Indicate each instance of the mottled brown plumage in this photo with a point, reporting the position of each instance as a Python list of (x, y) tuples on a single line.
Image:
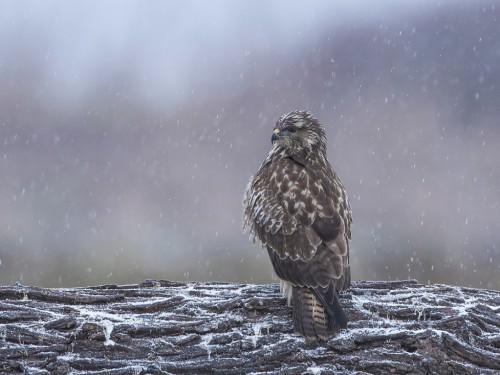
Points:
[(297, 207)]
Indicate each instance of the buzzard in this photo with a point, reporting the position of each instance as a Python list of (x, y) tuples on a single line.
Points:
[(297, 207)]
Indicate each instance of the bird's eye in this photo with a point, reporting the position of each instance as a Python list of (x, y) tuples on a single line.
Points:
[(290, 129)]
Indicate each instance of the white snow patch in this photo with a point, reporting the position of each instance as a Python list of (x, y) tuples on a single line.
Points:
[(68, 357), (107, 327), (257, 332), (137, 369), (314, 370), (420, 313), (101, 315), (206, 343)]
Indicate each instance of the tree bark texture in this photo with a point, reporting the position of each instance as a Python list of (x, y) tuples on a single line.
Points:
[(165, 327)]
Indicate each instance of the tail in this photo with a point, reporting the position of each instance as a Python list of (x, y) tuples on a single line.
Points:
[(317, 313)]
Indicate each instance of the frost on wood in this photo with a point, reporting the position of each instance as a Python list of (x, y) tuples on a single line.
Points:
[(162, 327)]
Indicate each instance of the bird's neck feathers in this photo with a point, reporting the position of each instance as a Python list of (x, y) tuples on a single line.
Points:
[(300, 154)]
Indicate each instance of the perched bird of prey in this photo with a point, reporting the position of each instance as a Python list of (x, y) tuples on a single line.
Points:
[(297, 207)]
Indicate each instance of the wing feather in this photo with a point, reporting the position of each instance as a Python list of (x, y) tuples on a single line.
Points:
[(291, 209)]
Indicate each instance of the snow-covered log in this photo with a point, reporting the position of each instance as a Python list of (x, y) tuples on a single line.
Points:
[(163, 327)]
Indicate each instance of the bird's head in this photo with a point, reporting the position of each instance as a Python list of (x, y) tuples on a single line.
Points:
[(298, 132)]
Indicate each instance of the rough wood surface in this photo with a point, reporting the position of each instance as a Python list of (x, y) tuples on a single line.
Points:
[(163, 327)]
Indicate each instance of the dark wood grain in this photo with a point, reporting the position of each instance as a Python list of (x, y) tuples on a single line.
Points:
[(164, 327)]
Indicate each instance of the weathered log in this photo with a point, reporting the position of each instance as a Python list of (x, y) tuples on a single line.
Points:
[(164, 327)]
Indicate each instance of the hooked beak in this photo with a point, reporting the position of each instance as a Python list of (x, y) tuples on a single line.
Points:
[(275, 136)]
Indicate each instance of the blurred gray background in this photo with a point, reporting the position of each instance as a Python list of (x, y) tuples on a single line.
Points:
[(129, 130)]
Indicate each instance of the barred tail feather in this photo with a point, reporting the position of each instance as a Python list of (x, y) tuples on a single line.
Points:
[(311, 319), (329, 299)]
